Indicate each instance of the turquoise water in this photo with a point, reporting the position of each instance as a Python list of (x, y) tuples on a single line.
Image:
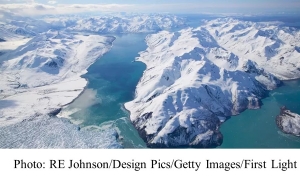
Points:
[(257, 128), (112, 82), (113, 79)]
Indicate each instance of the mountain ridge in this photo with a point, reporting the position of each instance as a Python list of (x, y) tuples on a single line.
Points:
[(196, 78)]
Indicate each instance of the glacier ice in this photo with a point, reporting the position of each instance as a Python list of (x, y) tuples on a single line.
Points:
[(51, 132), (41, 63)]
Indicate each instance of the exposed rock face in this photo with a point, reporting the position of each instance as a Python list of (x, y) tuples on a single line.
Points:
[(190, 86), (196, 78), (182, 135), (288, 122)]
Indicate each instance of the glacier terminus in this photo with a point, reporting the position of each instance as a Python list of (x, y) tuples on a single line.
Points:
[(196, 77)]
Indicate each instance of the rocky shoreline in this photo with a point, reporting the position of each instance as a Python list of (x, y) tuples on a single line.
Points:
[(288, 122), (187, 91)]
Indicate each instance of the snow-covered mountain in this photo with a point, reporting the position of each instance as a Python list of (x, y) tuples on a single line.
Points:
[(118, 23), (196, 78), (41, 63), (23, 26), (44, 59), (44, 74), (275, 48)]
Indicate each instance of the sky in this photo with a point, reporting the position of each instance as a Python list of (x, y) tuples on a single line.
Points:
[(149, 6)]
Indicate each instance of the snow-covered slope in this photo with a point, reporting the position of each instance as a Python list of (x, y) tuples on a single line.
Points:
[(288, 122), (44, 74), (51, 132), (41, 63), (125, 23), (46, 64), (196, 78), (22, 26), (273, 47), (118, 24), (10, 39)]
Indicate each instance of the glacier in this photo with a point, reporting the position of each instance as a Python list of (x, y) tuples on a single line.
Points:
[(41, 63), (198, 77), (46, 132), (44, 74)]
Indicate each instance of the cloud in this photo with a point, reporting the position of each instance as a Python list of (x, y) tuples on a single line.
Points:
[(31, 9), (16, 1), (52, 2)]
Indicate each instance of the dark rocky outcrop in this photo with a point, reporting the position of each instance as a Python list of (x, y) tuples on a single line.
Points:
[(183, 137), (54, 112), (288, 122)]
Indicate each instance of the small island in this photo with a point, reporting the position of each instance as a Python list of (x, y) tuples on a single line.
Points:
[(288, 122)]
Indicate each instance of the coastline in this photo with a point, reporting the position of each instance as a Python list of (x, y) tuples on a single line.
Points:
[(86, 70), (258, 128), (142, 107), (64, 89), (290, 80), (267, 95), (50, 119), (113, 59), (135, 91)]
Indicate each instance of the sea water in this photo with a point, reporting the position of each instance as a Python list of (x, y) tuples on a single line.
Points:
[(257, 128), (112, 82)]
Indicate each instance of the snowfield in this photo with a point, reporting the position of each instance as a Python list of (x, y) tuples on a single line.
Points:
[(41, 63), (272, 47), (196, 78), (44, 74), (131, 23), (50, 132)]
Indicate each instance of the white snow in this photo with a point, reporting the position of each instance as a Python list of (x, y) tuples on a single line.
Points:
[(50, 132), (272, 47), (41, 63), (195, 78), (13, 44), (41, 67), (289, 122), (130, 23), (44, 74)]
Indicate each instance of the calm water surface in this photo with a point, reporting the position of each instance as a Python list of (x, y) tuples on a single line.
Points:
[(257, 128), (112, 81)]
